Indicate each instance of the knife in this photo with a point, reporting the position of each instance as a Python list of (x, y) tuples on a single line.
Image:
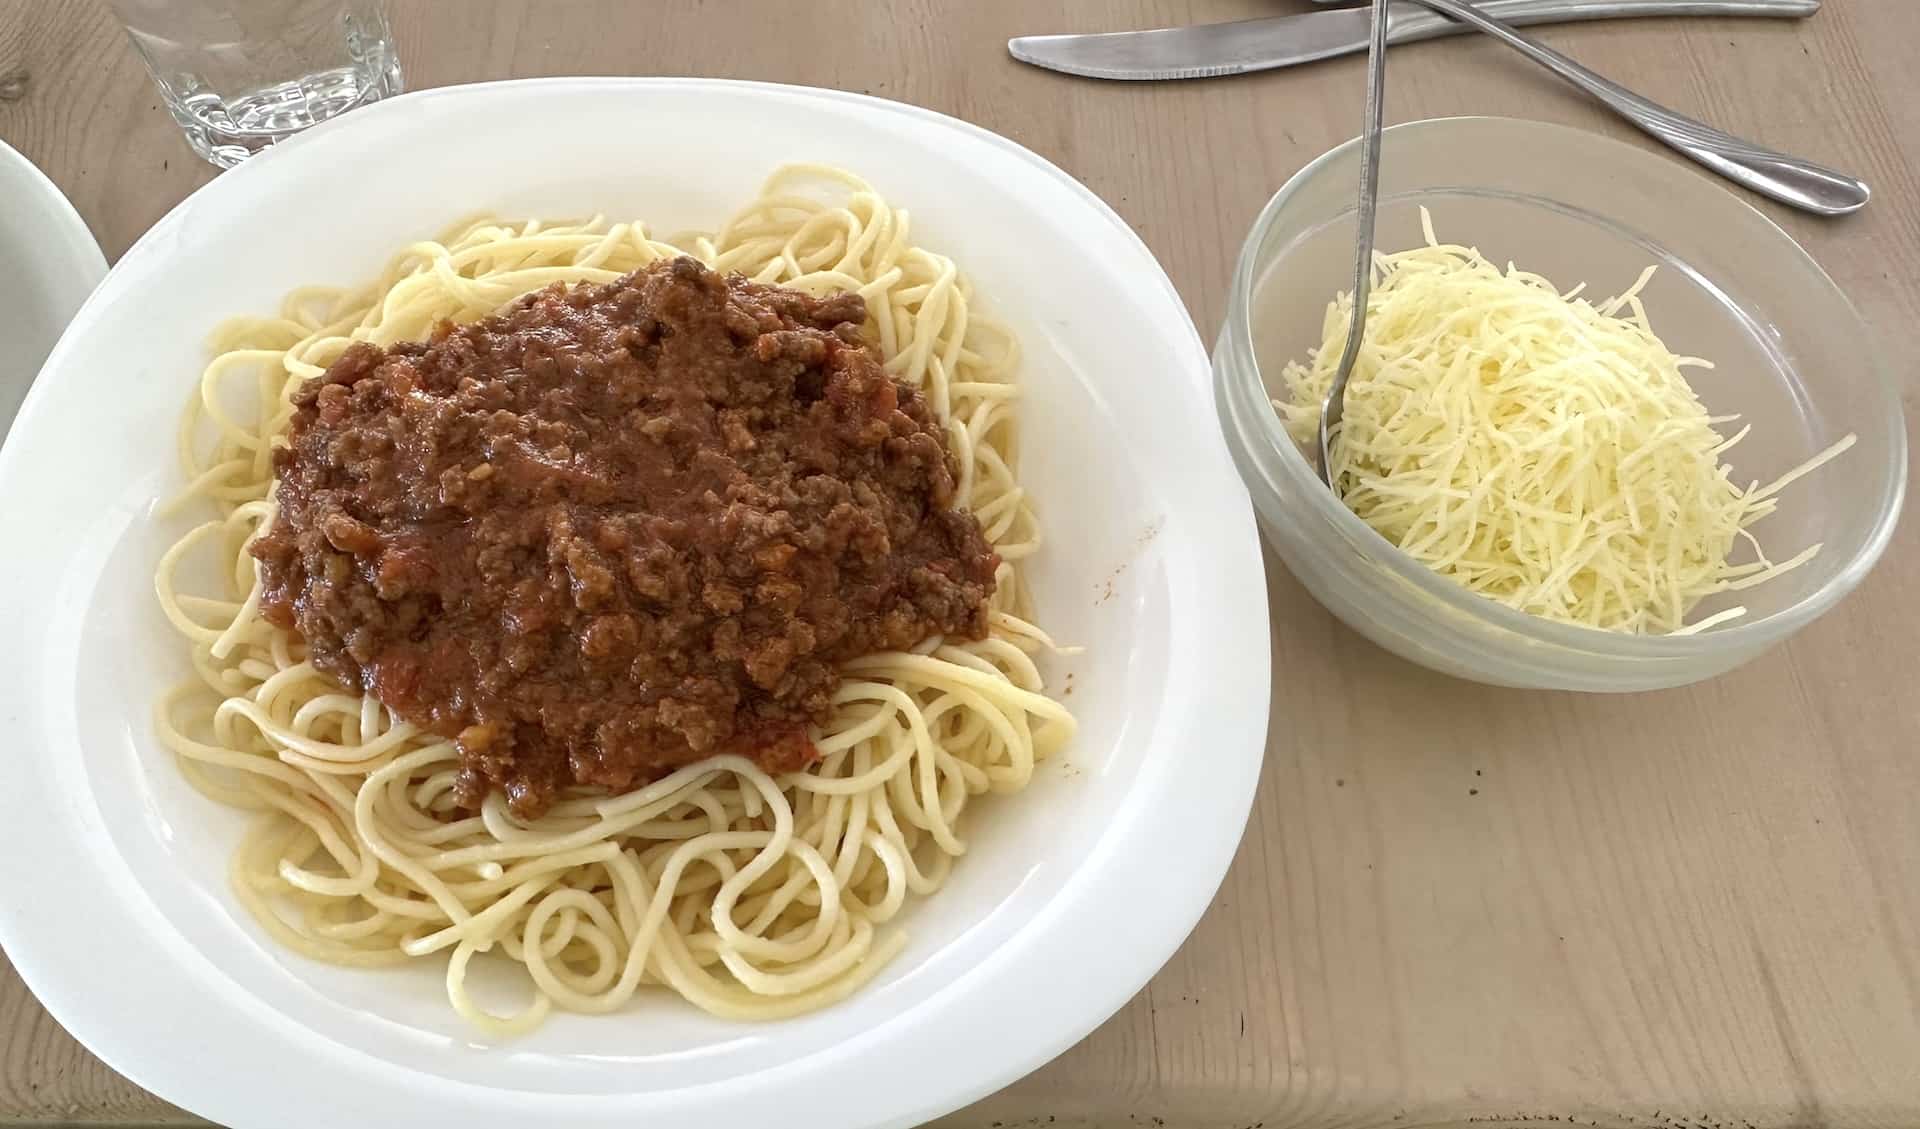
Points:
[(1213, 50)]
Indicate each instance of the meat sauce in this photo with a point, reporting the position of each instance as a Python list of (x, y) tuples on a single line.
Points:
[(616, 529)]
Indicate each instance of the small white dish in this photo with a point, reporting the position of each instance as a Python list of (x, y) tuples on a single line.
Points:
[(114, 902), (52, 264)]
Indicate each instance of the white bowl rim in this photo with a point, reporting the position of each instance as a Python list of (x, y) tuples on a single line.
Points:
[(1612, 644), (1174, 851), (74, 233), (81, 263)]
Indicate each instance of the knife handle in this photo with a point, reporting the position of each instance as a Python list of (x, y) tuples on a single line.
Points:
[(1407, 23)]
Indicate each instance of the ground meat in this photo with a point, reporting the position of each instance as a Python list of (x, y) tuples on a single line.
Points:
[(615, 529)]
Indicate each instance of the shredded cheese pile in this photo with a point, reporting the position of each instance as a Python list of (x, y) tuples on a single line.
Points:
[(1541, 450)]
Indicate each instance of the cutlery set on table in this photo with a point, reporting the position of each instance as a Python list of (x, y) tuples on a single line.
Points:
[(1270, 42)]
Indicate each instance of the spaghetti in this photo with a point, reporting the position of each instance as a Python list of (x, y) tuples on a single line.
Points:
[(750, 895)]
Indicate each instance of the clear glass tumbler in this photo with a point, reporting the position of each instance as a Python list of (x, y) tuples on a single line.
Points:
[(239, 75)]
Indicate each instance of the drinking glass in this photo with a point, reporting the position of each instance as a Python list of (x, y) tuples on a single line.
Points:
[(239, 75)]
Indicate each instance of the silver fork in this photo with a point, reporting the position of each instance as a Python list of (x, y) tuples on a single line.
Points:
[(1788, 179)]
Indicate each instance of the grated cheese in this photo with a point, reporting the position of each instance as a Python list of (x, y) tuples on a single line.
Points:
[(1541, 450)]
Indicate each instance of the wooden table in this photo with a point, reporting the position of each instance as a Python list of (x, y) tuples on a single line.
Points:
[(1698, 908)]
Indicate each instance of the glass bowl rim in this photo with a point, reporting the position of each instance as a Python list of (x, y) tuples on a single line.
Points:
[(1455, 597)]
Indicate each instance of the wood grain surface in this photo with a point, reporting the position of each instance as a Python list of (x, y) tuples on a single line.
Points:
[(1697, 908)]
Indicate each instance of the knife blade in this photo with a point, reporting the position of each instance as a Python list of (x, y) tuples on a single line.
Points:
[(1216, 50)]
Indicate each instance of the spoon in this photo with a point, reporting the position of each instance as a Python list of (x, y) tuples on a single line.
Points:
[(1336, 402), (1790, 180)]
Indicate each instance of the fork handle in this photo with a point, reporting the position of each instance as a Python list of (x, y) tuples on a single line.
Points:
[(1408, 22), (1790, 180)]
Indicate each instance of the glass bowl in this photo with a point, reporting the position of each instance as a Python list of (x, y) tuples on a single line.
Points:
[(1791, 355)]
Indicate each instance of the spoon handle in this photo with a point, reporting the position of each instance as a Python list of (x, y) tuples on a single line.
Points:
[(1790, 180), (1335, 405)]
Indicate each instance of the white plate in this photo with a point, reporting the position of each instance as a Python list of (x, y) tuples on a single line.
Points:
[(113, 897), (50, 265)]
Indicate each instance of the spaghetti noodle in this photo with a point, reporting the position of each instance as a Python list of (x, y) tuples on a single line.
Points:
[(751, 896)]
